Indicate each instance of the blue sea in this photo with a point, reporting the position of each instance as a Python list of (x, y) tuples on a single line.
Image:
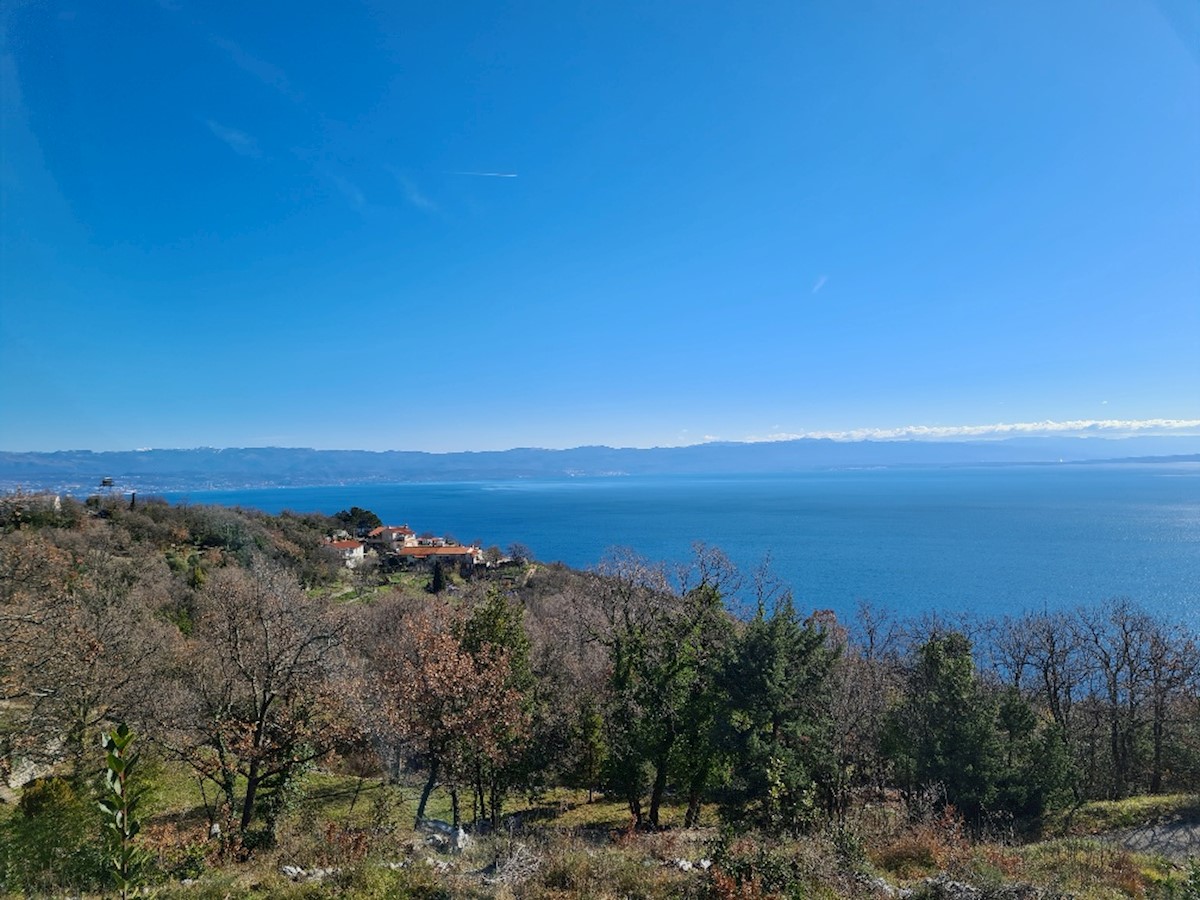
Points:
[(988, 541)]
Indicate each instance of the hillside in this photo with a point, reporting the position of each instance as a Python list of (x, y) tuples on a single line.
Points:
[(407, 728)]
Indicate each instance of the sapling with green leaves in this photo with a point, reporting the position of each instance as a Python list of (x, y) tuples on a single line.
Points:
[(119, 803)]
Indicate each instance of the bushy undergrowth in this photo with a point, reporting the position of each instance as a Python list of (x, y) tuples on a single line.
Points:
[(359, 832), (932, 843), (756, 865), (48, 851), (51, 842), (575, 870)]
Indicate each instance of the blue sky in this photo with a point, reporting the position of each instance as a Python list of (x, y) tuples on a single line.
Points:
[(274, 224)]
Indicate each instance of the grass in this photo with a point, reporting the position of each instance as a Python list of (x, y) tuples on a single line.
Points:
[(1079, 867), (345, 798), (362, 828), (171, 789), (588, 850), (1092, 869), (349, 798), (413, 582), (1101, 816), (575, 812)]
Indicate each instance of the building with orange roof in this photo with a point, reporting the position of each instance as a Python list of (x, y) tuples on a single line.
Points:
[(351, 552)]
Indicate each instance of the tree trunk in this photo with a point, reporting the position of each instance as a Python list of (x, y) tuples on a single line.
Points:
[(660, 787), (695, 791), (251, 793), (228, 788), (1117, 789), (635, 809), (76, 741), (1159, 729), (426, 791), (692, 817)]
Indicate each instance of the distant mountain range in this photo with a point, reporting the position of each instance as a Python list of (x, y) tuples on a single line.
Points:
[(80, 471)]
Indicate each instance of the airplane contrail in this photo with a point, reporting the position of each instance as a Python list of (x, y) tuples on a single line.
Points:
[(487, 174)]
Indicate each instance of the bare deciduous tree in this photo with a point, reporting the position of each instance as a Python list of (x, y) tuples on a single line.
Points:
[(80, 640), (257, 693)]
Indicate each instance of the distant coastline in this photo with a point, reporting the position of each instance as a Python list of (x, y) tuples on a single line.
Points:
[(202, 469), (993, 539)]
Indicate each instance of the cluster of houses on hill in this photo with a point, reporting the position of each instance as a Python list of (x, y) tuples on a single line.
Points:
[(401, 542)]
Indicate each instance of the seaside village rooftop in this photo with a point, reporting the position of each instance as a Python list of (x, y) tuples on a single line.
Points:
[(401, 543)]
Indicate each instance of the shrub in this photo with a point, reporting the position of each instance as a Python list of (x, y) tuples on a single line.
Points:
[(1191, 885), (176, 851), (51, 844), (935, 844), (754, 865)]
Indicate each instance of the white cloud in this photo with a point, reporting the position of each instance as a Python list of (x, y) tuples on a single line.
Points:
[(820, 283), (1066, 428), (237, 141)]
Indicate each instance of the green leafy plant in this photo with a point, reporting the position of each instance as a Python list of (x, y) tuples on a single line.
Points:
[(126, 861)]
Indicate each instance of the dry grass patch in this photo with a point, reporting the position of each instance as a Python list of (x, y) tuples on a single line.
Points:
[(1095, 870)]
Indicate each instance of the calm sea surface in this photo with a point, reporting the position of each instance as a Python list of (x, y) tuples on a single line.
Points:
[(987, 540)]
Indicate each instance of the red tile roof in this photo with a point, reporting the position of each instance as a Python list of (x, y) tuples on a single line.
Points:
[(345, 545), (389, 530), (421, 552)]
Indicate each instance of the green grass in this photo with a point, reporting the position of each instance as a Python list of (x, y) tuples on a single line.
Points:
[(1094, 870), (350, 800), (347, 799), (575, 812), (410, 581), (1101, 816), (171, 789), (586, 849)]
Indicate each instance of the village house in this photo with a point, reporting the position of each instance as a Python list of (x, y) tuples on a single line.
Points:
[(389, 538), (401, 542), (451, 553), (351, 552)]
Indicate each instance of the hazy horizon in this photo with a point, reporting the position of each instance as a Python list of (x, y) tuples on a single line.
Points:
[(1111, 430)]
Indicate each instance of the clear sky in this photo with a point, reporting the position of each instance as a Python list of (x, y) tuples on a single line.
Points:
[(484, 225)]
